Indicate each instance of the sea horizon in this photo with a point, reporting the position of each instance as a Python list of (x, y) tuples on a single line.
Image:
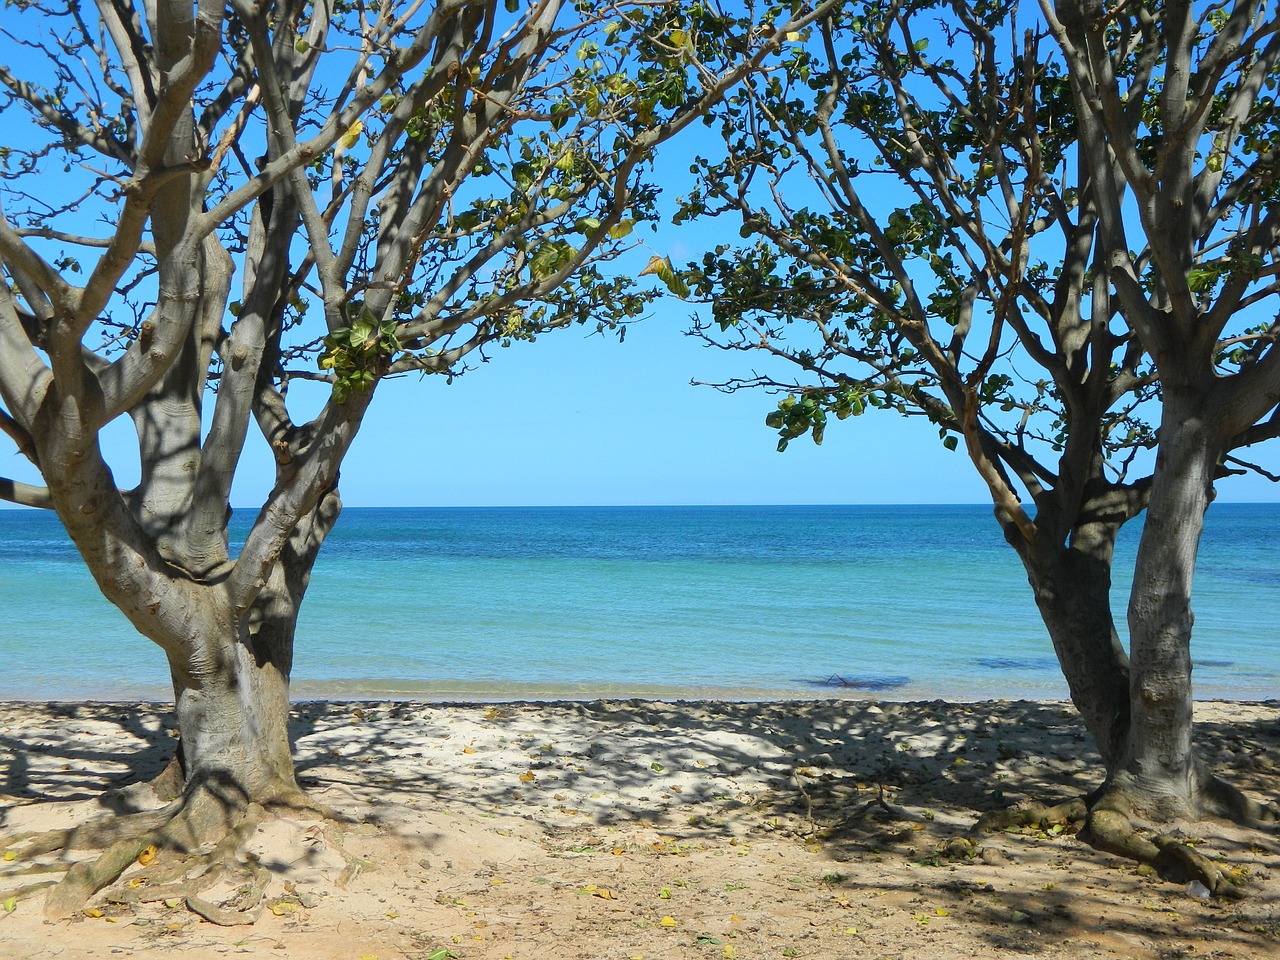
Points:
[(656, 601)]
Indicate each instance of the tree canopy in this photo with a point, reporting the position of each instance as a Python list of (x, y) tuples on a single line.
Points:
[(1011, 226), (233, 221)]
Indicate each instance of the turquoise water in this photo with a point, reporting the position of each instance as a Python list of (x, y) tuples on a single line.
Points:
[(904, 602)]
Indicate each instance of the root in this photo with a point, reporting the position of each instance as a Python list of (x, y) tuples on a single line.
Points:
[(198, 837), (1226, 801), (87, 877), (1035, 815), (1171, 857)]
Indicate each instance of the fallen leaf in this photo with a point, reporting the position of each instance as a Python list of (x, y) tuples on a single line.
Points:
[(665, 893), (668, 922), (656, 767), (10, 856), (850, 931), (527, 777), (11, 904), (147, 856), (604, 893), (94, 913), (393, 914), (943, 912)]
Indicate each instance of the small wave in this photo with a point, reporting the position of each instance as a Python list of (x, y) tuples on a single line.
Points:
[(1017, 663)]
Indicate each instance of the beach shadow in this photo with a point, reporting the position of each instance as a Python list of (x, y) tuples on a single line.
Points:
[(78, 751)]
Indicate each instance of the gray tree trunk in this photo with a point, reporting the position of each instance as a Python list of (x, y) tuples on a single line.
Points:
[(231, 688), (1073, 593), (1161, 778)]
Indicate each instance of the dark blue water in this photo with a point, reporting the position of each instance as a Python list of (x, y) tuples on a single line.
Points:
[(700, 601)]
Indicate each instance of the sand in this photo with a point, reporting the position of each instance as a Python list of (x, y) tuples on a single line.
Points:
[(631, 829)]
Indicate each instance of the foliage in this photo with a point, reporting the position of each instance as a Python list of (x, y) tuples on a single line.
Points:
[(923, 221)]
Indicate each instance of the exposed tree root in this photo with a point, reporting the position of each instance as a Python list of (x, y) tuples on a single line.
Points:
[(1111, 826), (1224, 800), (190, 845), (1035, 815)]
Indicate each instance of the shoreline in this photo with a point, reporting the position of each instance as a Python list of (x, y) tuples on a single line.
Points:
[(558, 695)]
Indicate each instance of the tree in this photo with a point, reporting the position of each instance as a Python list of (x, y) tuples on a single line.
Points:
[(219, 215), (938, 234), (1179, 111)]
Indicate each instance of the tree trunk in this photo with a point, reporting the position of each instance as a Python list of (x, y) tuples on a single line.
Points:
[(1162, 779), (1073, 592), (231, 688)]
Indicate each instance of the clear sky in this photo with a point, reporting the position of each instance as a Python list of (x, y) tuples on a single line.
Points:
[(585, 420)]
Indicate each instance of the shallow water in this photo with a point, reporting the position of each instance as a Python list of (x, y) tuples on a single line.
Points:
[(729, 602)]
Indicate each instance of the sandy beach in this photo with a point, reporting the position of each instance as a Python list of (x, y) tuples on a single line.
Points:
[(637, 829)]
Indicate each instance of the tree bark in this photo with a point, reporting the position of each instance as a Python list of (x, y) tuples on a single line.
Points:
[(231, 688), (1161, 778), (1072, 590)]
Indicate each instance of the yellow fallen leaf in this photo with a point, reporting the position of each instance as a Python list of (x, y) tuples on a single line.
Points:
[(10, 856), (94, 913), (728, 953), (665, 893), (147, 856), (604, 893), (527, 777), (917, 826), (392, 914), (943, 912), (850, 931), (734, 918), (668, 922), (619, 851)]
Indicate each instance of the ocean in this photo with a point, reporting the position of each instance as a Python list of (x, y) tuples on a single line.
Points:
[(902, 602)]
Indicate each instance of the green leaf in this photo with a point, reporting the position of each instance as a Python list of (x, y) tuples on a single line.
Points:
[(512, 7), (621, 229), (550, 258), (950, 442), (11, 904)]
